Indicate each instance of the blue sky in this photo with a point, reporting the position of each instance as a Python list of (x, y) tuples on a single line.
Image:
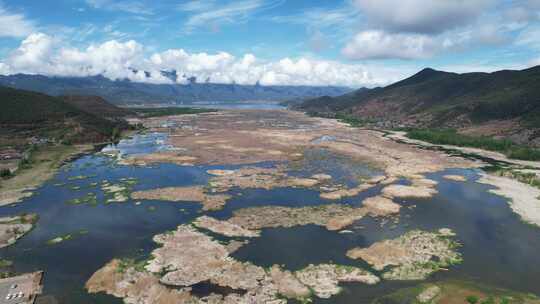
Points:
[(350, 42)]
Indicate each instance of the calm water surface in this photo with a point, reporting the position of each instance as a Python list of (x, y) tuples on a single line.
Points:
[(236, 106), (497, 247)]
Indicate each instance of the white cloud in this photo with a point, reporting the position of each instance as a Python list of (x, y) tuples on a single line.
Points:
[(43, 54), (481, 34), (212, 15), (324, 25), (382, 45), (196, 5), (420, 16), (225, 68), (321, 18), (485, 67), (133, 7), (14, 25), (33, 54), (490, 34), (408, 31), (533, 4), (529, 37), (534, 62)]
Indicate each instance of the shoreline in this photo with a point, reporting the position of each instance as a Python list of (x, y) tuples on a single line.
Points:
[(496, 156), (25, 181), (522, 198), (49, 161)]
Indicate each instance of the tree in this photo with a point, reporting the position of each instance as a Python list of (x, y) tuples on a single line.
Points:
[(5, 173)]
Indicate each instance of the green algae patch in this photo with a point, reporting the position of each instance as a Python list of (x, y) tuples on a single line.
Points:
[(90, 198), (130, 263), (5, 263), (67, 237), (80, 177), (118, 192), (60, 239)]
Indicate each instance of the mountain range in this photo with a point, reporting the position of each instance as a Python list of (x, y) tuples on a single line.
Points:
[(503, 103), (125, 92)]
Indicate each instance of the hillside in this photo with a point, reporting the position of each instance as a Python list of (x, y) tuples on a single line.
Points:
[(26, 114), (504, 103), (96, 105), (127, 92)]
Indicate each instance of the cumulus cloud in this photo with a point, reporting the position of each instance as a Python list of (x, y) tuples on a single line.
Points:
[(32, 55), (225, 68), (382, 45), (14, 25), (420, 16), (42, 54), (417, 29)]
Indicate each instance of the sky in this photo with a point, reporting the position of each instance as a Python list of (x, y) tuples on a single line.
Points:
[(352, 43)]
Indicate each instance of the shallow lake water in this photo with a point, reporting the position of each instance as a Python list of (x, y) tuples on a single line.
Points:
[(236, 105), (498, 248)]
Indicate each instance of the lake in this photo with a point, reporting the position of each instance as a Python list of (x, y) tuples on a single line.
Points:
[(484, 223)]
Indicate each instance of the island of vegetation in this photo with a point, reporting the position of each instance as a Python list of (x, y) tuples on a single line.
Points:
[(413, 256)]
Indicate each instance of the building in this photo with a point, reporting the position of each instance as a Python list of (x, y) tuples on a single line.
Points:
[(21, 289)]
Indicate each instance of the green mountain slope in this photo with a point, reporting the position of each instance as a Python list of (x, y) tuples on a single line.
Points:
[(26, 113), (433, 98), (96, 105)]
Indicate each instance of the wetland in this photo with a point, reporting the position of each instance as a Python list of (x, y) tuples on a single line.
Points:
[(273, 206)]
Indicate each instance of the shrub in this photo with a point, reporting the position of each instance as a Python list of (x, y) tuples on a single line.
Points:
[(451, 137), (472, 299), (5, 173), (524, 153), (351, 120), (489, 300), (25, 163)]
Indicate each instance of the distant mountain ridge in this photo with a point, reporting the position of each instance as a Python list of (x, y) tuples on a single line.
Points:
[(128, 92), (473, 102)]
